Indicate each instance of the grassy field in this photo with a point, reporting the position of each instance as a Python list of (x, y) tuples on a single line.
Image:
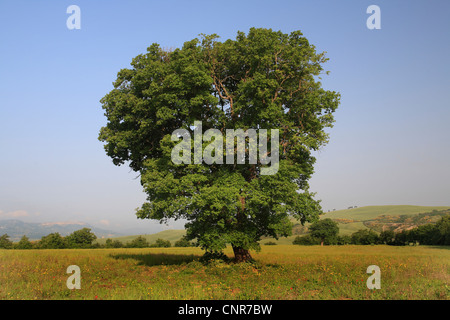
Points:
[(281, 272)]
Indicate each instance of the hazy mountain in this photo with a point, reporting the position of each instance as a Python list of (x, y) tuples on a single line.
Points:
[(34, 231)]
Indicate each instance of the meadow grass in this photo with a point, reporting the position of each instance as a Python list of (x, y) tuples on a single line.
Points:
[(281, 272)]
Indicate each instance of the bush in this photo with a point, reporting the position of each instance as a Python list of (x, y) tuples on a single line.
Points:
[(82, 238), (326, 230), (428, 234), (113, 244), (307, 240), (183, 242), (5, 243), (161, 243), (138, 242), (270, 243), (365, 237), (343, 240), (52, 241), (387, 237), (24, 243)]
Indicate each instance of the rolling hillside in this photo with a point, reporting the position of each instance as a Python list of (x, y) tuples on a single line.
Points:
[(371, 212), (375, 217), (15, 229), (350, 220)]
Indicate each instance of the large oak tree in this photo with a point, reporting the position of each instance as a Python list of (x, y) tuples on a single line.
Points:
[(260, 80)]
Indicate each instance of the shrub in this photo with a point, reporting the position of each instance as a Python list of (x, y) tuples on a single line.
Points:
[(24, 243), (5, 243), (365, 237), (82, 238), (113, 243), (183, 242), (161, 243), (307, 240), (138, 242), (52, 241)]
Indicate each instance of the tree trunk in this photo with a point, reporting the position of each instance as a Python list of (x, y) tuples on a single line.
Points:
[(241, 255), (321, 243)]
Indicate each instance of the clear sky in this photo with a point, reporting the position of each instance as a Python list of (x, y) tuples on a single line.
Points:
[(390, 143)]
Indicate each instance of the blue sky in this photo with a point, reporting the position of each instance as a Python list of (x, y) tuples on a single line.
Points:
[(390, 143)]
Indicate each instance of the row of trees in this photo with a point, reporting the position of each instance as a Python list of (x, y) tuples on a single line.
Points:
[(322, 232), (326, 231), (141, 242), (84, 238)]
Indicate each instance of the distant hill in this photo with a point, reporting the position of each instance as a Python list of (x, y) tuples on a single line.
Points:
[(35, 231), (394, 217), (171, 235), (378, 218)]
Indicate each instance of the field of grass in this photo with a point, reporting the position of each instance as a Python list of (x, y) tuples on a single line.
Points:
[(281, 272)]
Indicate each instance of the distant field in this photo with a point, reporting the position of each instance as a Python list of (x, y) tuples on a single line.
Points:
[(360, 215), (171, 235), (282, 272)]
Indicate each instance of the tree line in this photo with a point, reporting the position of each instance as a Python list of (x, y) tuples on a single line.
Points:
[(326, 232), (323, 232), (84, 239)]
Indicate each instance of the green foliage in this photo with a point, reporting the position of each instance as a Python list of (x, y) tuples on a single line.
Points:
[(260, 80), (343, 240), (325, 229), (139, 242), (24, 243), (443, 228), (309, 240), (429, 234), (387, 237), (183, 242), (113, 243), (5, 243), (82, 238), (52, 241), (365, 237), (161, 243), (306, 240)]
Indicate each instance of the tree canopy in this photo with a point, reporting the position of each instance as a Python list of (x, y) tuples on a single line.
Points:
[(261, 80), (324, 229), (82, 238)]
